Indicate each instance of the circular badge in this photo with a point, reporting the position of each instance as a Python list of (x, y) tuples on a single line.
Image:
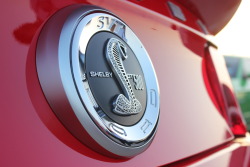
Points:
[(99, 80)]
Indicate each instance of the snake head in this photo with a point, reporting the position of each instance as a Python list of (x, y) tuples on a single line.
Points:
[(122, 50)]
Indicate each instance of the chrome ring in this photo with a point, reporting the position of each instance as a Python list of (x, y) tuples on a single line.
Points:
[(68, 57)]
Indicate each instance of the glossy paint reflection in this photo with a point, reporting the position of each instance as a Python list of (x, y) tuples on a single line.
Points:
[(33, 136), (25, 32)]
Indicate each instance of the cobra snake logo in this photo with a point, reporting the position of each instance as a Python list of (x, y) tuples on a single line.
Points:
[(123, 104)]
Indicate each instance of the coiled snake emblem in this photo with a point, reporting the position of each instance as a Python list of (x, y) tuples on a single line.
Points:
[(123, 104)]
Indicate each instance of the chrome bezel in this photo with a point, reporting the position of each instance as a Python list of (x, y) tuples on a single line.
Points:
[(76, 31)]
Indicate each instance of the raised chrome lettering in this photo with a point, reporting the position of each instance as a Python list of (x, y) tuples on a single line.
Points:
[(145, 126), (100, 74), (138, 81), (153, 97), (117, 129), (101, 22), (112, 24)]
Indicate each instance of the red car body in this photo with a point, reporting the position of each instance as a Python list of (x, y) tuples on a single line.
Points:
[(196, 126)]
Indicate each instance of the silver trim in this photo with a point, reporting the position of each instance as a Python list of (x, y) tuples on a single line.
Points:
[(124, 104), (176, 11), (67, 90)]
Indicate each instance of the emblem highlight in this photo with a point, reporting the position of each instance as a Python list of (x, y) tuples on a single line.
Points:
[(91, 69), (123, 104)]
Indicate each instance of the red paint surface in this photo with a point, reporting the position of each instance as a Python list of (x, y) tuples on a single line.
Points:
[(31, 135)]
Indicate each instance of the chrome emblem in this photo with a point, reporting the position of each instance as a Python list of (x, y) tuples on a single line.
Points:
[(99, 80), (123, 104)]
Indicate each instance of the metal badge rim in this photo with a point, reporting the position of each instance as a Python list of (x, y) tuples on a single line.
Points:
[(103, 131)]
